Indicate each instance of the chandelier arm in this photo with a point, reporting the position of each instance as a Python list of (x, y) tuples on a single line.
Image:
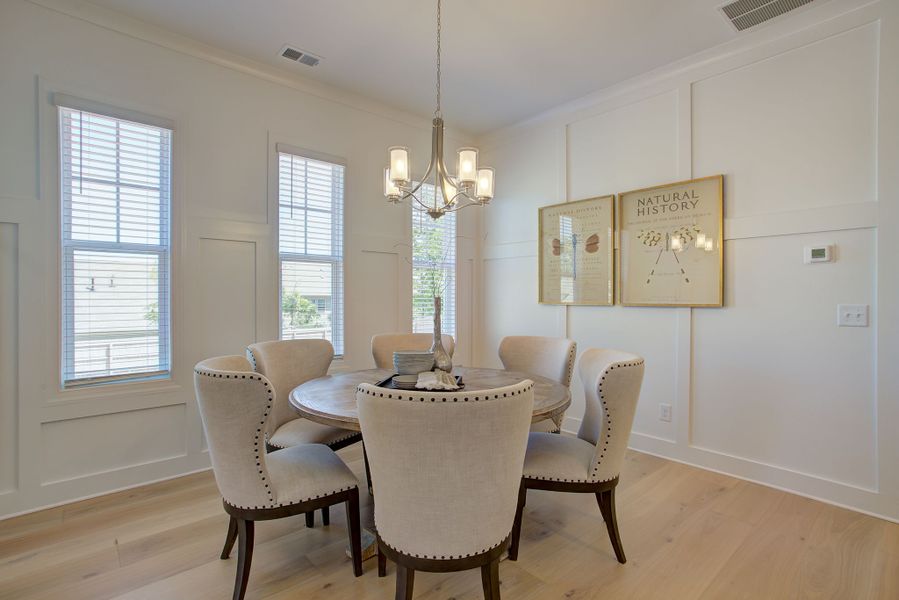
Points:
[(459, 206), (424, 207)]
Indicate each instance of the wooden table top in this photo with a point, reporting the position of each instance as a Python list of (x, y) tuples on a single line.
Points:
[(331, 400)]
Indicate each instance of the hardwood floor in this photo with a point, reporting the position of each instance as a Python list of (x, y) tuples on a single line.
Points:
[(688, 533)]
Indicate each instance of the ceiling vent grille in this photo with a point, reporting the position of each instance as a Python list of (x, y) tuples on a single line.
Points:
[(744, 14), (300, 56)]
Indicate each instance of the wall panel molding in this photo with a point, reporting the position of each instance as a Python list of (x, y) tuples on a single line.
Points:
[(849, 39)]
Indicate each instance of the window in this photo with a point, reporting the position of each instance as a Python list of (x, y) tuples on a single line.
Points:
[(116, 197), (310, 242), (433, 267)]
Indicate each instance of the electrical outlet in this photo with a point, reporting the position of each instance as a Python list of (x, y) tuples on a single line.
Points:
[(665, 412), (852, 315)]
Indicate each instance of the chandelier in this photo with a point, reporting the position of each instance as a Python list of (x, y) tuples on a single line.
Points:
[(471, 186)]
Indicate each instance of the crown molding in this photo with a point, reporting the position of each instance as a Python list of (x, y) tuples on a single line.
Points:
[(125, 25)]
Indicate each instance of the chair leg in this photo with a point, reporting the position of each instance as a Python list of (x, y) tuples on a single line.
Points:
[(310, 519), (405, 579), (326, 515), (490, 580), (355, 530), (606, 501), (382, 564), (245, 530), (367, 470), (516, 525), (230, 538)]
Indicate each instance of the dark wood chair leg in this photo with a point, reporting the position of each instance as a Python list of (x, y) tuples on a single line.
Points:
[(382, 564), (490, 580), (405, 579), (516, 525), (326, 515), (310, 519), (606, 501), (367, 470), (245, 531), (230, 538), (355, 530)]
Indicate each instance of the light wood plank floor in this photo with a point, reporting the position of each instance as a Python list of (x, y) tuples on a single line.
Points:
[(688, 533)]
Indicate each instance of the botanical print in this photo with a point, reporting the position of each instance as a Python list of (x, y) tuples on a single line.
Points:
[(576, 252), (670, 244)]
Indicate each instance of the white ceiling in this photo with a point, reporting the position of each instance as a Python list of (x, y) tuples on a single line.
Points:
[(503, 60)]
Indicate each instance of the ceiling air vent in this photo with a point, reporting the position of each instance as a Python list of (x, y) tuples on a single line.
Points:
[(300, 56), (744, 14)]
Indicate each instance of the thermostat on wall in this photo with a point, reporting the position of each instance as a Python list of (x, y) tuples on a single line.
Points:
[(815, 254)]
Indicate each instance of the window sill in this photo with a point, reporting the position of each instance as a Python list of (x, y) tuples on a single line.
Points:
[(108, 389)]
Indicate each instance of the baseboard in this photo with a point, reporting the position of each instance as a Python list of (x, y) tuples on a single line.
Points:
[(100, 493), (845, 495)]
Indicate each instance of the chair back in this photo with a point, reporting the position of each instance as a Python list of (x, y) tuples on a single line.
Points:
[(287, 364), (612, 381), (446, 467), (385, 344), (548, 357), (234, 404)]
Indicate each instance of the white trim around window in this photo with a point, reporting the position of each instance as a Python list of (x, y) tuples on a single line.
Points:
[(309, 208), (115, 186)]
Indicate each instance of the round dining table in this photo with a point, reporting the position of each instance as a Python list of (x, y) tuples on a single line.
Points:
[(331, 400)]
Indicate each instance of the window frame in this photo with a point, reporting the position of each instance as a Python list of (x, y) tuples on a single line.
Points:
[(67, 247), (338, 323)]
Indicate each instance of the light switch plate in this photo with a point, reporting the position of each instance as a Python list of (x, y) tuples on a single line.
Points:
[(665, 412), (852, 315)]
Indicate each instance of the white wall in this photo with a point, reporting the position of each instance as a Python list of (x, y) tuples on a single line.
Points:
[(229, 114), (801, 117)]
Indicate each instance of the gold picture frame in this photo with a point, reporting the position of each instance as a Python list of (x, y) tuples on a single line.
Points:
[(670, 244), (577, 239)]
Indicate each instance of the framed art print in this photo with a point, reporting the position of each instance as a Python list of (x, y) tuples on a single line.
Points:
[(670, 244), (576, 252)]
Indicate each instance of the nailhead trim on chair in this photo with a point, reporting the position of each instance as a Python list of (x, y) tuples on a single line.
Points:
[(572, 354), (268, 388), (464, 399), (334, 441), (268, 408), (605, 437), (412, 398), (251, 358), (444, 557)]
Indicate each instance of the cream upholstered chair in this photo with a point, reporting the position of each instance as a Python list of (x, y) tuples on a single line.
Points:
[(591, 462), (287, 364), (446, 469), (385, 344), (548, 357), (234, 403)]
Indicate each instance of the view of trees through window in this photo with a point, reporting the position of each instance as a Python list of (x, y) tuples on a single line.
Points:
[(310, 231), (433, 268)]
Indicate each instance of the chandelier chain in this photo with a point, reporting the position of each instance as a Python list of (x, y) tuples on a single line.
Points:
[(438, 113)]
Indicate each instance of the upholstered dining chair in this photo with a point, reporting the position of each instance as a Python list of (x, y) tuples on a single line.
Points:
[(235, 403), (385, 344), (287, 364), (591, 462), (446, 470), (548, 357)]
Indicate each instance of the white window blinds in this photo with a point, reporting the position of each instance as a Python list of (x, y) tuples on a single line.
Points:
[(116, 196), (310, 241), (433, 268)]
